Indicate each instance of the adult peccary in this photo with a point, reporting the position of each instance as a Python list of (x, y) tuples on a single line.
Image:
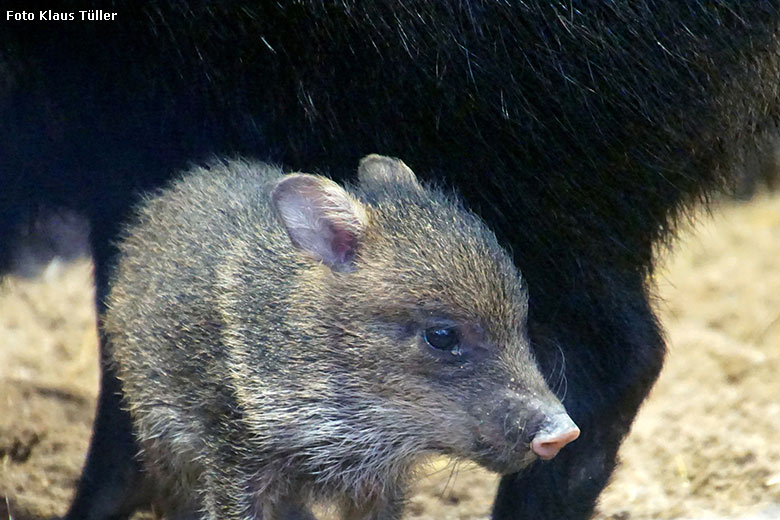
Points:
[(270, 363), (579, 131)]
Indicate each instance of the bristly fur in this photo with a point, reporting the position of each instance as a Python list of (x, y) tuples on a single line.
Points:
[(260, 378), (580, 131)]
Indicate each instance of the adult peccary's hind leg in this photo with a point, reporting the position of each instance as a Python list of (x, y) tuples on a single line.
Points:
[(112, 484)]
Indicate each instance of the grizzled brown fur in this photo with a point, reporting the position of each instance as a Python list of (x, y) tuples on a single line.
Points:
[(270, 332)]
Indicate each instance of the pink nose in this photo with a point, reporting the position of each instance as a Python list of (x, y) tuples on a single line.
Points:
[(547, 446)]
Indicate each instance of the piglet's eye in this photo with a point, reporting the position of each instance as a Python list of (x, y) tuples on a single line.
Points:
[(442, 338)]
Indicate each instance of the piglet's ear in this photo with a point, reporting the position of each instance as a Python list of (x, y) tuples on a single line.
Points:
[(375, 170), (321, 218)]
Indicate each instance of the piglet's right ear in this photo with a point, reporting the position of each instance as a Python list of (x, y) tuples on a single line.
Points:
[(321, 218), (376, 170)]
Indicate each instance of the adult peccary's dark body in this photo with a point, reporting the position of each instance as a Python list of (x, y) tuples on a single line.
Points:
[(270, 362), (577, 130)]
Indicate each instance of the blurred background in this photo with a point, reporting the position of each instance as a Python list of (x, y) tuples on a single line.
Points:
[(706, 444)]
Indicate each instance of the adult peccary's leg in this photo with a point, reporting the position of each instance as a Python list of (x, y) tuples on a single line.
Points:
[(587, 361), (112, 485)]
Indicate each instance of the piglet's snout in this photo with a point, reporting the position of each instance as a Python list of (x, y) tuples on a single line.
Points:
[(556, 432)]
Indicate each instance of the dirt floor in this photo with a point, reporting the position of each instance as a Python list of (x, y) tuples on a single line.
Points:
[(705, 445)]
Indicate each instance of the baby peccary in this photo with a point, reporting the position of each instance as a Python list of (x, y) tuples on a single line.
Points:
[(283, 341)]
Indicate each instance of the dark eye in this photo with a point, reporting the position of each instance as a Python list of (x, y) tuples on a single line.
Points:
[(443, 338)]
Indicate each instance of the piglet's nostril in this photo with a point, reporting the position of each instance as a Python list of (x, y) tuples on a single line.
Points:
[(547, 445)]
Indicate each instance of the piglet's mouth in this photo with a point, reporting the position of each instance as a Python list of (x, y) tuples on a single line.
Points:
[(503, 460)]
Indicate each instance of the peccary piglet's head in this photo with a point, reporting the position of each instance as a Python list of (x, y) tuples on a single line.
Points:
[(423, 316)]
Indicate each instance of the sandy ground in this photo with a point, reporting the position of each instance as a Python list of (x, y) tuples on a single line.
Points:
[(705, 445)]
